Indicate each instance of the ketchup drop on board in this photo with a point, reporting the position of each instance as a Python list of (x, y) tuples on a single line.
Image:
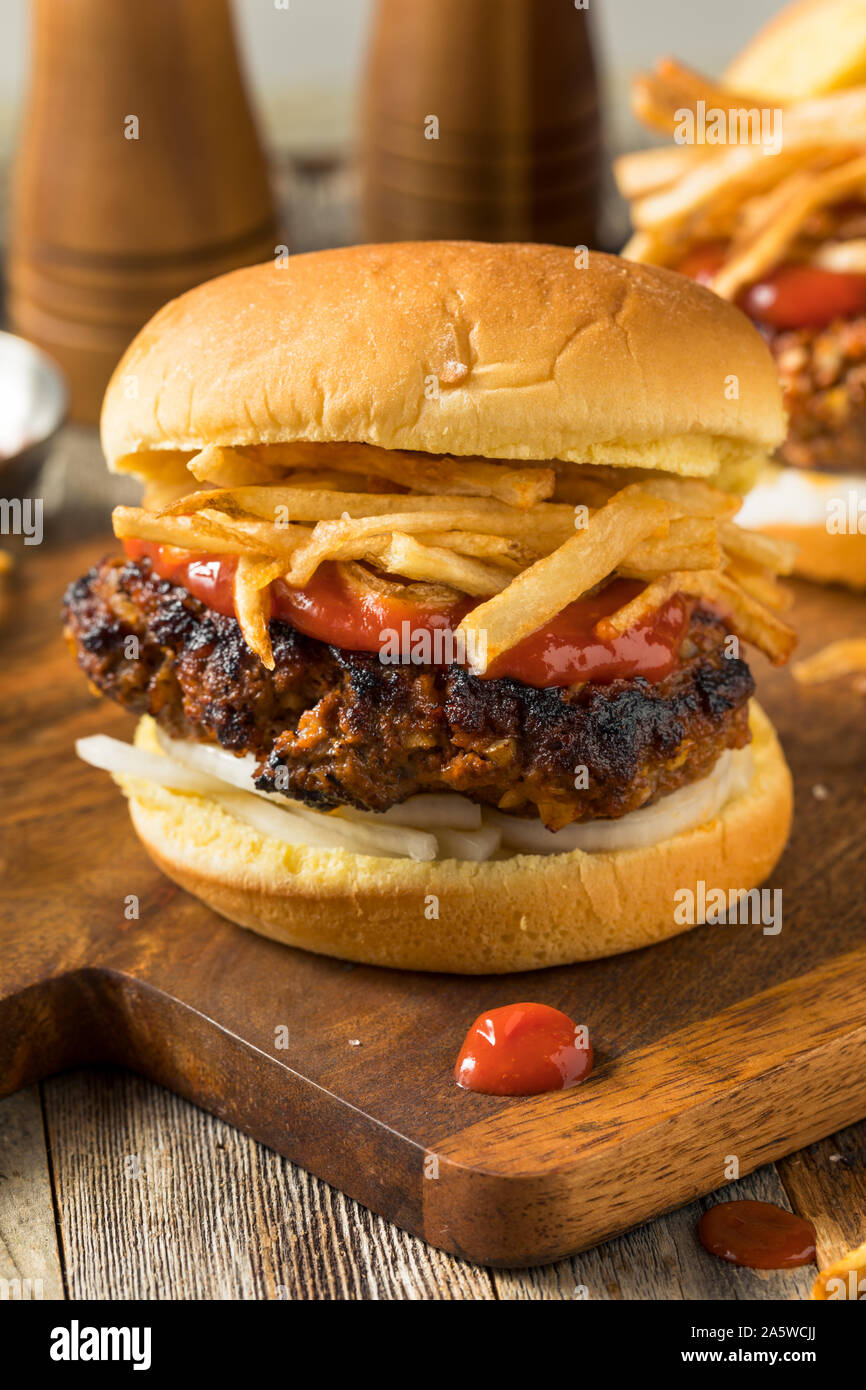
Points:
[(759, 1235), (523, 1050)]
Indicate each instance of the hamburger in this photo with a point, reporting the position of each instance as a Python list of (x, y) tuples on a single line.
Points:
[(763, 198), (434, 612)]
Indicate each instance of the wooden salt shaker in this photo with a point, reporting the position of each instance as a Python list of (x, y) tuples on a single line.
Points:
[(480, 118), (138, 174)]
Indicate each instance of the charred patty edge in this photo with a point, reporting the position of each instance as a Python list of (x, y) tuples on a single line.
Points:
[(332, 727)]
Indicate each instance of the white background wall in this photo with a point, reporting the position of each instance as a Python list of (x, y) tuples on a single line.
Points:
[(303, 63)]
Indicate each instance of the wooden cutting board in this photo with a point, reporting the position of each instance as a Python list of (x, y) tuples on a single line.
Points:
[(721, 1044)]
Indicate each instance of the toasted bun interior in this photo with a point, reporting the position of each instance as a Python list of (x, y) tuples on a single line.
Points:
[(517, 913), (503, 351)]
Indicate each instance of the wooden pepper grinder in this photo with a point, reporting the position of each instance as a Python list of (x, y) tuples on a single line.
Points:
[(480, 118), (138, 174)]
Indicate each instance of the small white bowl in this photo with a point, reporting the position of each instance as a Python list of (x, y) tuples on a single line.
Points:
[(33, 402)]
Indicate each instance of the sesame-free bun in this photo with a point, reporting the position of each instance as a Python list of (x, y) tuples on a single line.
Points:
[(823, 558), (504, 351), (519, 913)]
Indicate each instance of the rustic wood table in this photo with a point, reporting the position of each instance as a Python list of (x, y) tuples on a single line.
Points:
[(112, 1188)]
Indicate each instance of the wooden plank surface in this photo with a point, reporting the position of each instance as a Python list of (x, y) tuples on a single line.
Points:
[(29, 1250), (664, 1260), (200, 1211), (160, 1200), (827, 1181)]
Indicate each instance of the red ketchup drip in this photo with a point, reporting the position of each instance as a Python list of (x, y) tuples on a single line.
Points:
[(208, 577), (563, 652), (566, 650), (326, 608), (522, 1050), (790, 296), (329, 610), (758, 1235)]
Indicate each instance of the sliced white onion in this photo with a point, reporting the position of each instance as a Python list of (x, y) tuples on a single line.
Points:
[(468, 844), (377, 840), (212, 772), (682, 810), (188, 773), (113, 755), (427, 810), (328, 833), (236, 771), (323, 829), (847, 257)]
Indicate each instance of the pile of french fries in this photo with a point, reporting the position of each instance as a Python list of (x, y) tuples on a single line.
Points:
[(525, 540), (767, 207)]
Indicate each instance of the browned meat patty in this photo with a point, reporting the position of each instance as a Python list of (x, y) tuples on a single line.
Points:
[(823, 375), (335, 727)]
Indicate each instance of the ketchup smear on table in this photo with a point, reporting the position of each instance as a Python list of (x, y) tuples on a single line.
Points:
[(757, 1234), (791, 296), (563, 652), (522, 1050)]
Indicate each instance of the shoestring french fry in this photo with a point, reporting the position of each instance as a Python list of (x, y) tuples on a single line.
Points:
[(405, 555), (647, 171), (253, 575), (844, 1279), (694, 496), (738, 191), (761, 583), (198, 532), (736, 173), (548, 586), (230, 468), (843, 658), (775, 554), (691, 543), (502, 550), (526, 562), (750, 619), (311, 504), (769, 245), (508, 481), (340, 539)]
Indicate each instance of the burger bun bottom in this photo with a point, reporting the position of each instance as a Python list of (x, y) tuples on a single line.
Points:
[(824, 514), (518, 913)]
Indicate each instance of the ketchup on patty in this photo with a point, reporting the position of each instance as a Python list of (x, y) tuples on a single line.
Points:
[(790, 296), (563, 652), (566, 649)]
